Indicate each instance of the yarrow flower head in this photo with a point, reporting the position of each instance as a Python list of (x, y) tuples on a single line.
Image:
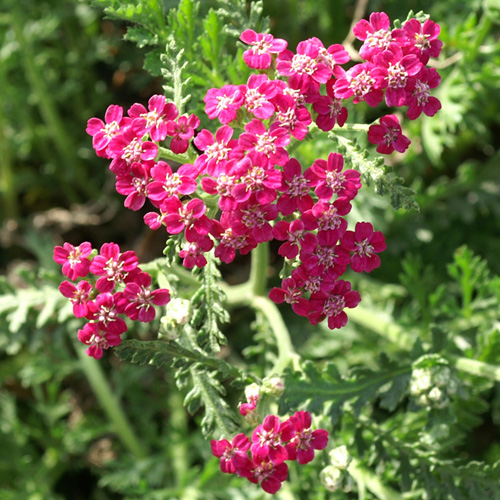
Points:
[(272, 444), (97, 299)]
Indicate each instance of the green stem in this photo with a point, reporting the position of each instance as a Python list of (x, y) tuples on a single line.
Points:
[(381, 324), (286, 351), (478, 368), (369, 480), (110, 404), (353, 127), (258, 272), (167, 154)]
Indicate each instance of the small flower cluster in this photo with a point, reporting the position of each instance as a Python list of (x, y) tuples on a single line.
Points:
[(393, 69), (432, 383), (272, 444), (95, 298), (246, 189)]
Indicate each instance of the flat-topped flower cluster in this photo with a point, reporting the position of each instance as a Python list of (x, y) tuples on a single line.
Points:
[(243, 188), (272, 444), (97, 299)]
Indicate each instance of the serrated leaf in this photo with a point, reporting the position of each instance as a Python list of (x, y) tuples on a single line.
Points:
[(318, 387)]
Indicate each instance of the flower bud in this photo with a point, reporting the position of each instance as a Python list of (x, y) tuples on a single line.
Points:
[(331, 478), (340, 457), (274, 386)]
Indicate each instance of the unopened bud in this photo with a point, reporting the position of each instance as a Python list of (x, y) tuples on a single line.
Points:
[(274, 386), (331, 478), (178, 314), (340, 457)]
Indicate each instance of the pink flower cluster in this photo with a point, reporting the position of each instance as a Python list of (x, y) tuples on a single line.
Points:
[(394, 69), (96, 299), (244, 188), (272, 444)]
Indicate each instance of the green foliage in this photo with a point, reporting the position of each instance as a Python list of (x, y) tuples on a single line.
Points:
[(430, 306), (207, 303), (321, 387), (373, 172)]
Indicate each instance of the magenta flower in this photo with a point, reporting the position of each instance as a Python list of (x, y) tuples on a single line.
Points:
[(190, 218), (329, 109), (74, 261), (248, 408), (260, 91), (423, 38), (224, 103), (291, 117), (103, 132), (305, 441), (234, 238), (418, 94), (395, 70), (256, 218), (223, 187), (112, 266), (388, 135), (227, 451), (140, 299), (330, 217), (263, 45), (134, 184), (265, 147), (328, 178), (155, 118), (375, 34), (361, 84), (182, 132), (97, 339), (192, 253), (292, 294), (257, 470), (128, 147), (255, 180), (295, 188), (167, 184), (154, 220), (302, 67), (326, 257), (104, 312), (296, 234), (365, 245), (331, 304), (79, 296), (216, 150), (268, 439), (332, 56)]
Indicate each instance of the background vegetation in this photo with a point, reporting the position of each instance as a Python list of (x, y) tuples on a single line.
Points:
[(62, 62)]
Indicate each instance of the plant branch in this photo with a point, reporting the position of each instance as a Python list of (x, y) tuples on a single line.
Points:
[(110, 404)]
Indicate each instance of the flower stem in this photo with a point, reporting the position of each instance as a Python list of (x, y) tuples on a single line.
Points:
[(354, 127), (286, 351), (110, 404), (478, 368), (258, 271), (168, 154)]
